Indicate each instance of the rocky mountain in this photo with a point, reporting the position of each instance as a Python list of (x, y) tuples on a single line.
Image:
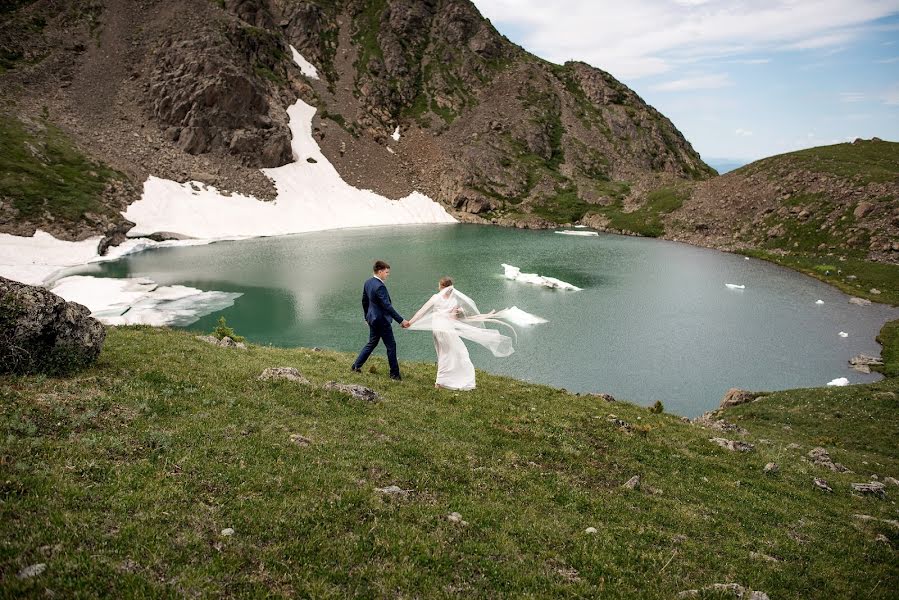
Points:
[(841, 200), (117, 90)]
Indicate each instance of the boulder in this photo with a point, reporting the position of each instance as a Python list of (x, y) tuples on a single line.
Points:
[(859, 301), (633, 483), (287, 373), (820, 457), (359, 392), (735, 397), (42, 333), (874, 488), (863, 210), (733, 445), (863, 363)]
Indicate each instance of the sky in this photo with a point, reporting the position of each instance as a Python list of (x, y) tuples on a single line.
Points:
[(741, 79)]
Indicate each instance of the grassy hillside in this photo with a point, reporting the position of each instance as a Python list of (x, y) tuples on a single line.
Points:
[(122, 479)]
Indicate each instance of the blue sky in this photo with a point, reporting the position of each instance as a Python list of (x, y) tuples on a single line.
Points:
[(740, 79)]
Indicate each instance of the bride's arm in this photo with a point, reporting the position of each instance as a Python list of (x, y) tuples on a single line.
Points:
[(423, 309)]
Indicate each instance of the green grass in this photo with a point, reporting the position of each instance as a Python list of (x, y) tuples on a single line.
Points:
[(863, 162), (646, 220), (41, 170), (854, 276), (121, 479)]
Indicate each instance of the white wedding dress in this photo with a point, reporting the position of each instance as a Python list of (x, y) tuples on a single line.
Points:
[(451, 316)]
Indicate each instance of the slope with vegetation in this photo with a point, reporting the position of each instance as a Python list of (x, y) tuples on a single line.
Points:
[(170, 469)]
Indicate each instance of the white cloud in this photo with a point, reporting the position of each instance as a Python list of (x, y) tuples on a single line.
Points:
[(743, 132), (650, 37), (888, 61), (698, 82), (851, 97), (752, 61)]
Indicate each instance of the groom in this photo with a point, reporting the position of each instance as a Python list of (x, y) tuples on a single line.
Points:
[(378, 311)]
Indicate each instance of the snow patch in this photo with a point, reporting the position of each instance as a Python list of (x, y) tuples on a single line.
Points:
[(838, 382), (311, 197), (819, 301), (581, 233), (516, 316), (140, 300), (34, 260), (305, 66), (843, 334), (734, 286), (396, 134), (515, 274), (389, 149)]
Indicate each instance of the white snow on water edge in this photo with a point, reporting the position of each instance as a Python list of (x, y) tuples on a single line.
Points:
[(515, 274), (838, 382), (311, 197), (140, 300), (305, 66), (579, 233)]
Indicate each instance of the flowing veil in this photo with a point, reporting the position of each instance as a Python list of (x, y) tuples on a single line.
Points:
[(450, 311)]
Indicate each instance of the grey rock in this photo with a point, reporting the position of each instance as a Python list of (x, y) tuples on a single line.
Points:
[(455, 517), (863, 363), (300, 440), (881, 538), (227, 532), (736, 397), (762, 556), (859, 301), (633, 483), (710, 421), (874, 488), (359, 392), (287, 373), (227, 342), (32, 571), (42, 333), (820, 457), (733, 445), (793, 446), (729, 589), (822, 484), (891, 480), (771, 468), (393, 490), (606, 397)]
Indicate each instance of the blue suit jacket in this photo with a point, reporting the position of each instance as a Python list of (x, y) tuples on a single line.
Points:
[(376, 303)]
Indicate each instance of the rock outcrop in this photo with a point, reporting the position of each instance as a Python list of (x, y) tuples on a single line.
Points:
[(42, 333)]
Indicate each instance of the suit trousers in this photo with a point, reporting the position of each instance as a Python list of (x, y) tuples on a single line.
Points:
[(379, 330)]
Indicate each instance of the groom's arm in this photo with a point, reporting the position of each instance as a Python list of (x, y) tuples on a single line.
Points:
[(383, 300), (364, 305)]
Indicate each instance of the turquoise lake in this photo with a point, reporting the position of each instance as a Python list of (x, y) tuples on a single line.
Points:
[(654, 320)]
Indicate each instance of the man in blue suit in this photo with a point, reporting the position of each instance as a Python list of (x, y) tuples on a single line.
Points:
[(378, 312)]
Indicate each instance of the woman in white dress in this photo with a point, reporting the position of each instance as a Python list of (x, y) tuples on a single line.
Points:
[(451, 316)]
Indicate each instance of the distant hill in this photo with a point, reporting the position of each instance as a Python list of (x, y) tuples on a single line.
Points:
[(841, 199)]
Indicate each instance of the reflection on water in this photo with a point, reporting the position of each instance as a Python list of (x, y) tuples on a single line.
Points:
[(654, 321)]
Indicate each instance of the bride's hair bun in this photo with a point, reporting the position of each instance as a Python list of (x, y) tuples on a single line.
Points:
[(445, 282)]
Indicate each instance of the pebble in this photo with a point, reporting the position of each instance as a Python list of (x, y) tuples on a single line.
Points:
[(393, 490), (227, 532), (771, 468), (455, 517), (633, 483), (590, 530), (32, 571)]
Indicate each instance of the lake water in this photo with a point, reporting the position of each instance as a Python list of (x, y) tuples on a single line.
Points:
[(654, 320)]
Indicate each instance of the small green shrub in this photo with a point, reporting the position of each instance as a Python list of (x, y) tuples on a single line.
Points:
[(222, 330), (657, 408)]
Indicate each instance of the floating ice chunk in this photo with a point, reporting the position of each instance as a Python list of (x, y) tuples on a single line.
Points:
[(580, 227), (819, 301), (838, 382), (843, 334), (141, 301), (515, 274), (396, 134), (735, 286), (516, 316), (745, 258), (583, 233), (305, 66), (310, 198)]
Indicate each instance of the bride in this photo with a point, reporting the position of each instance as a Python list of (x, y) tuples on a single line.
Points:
[(451, 316)]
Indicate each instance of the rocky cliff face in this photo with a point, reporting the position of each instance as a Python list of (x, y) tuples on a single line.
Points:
[(840, 200), (197, 89)]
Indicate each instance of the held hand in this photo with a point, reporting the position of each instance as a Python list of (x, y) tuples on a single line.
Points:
[(405, 324)]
